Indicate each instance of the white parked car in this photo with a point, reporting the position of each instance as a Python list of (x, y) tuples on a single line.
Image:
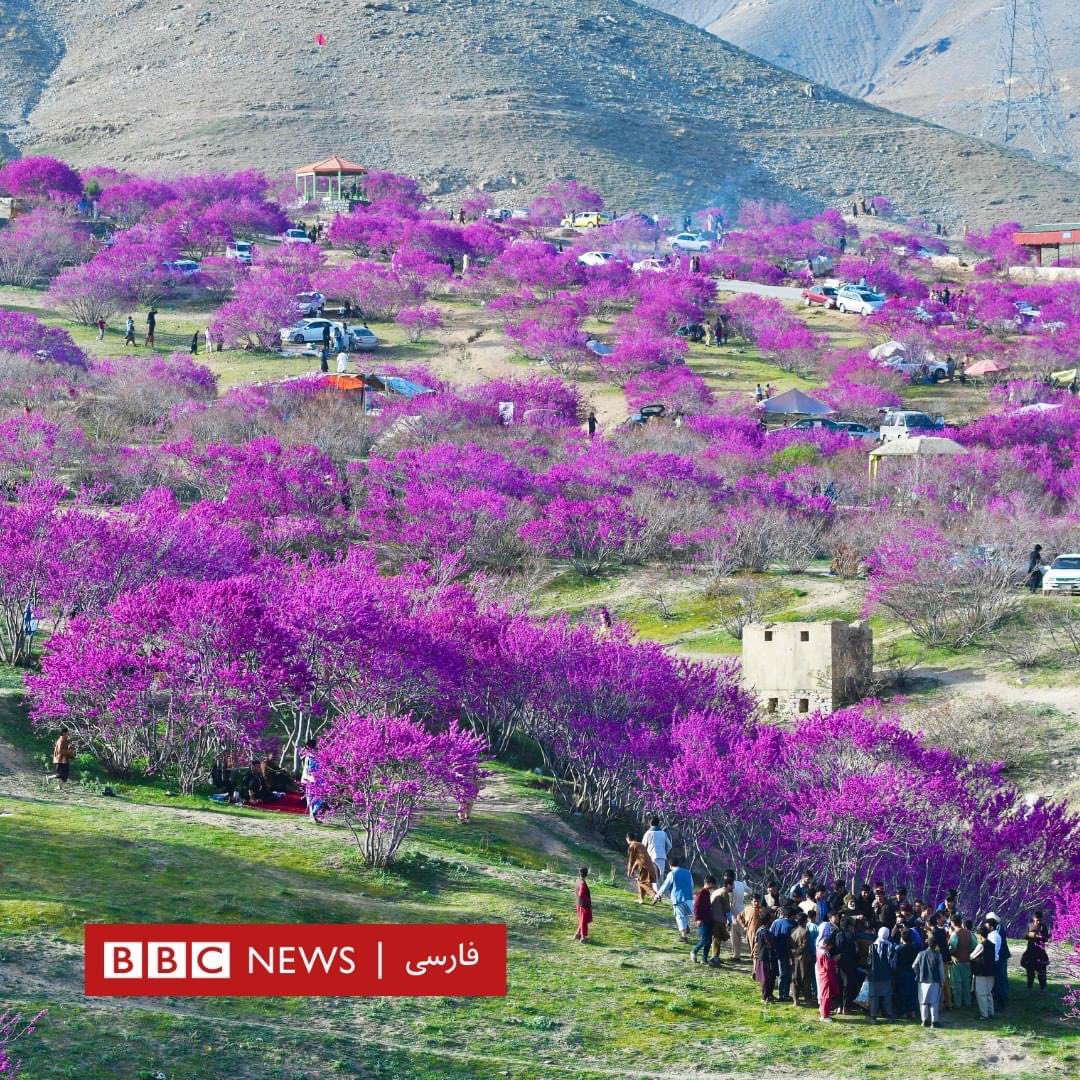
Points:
[(649, 266), (310, 303), (903, 425), (310, 332), (181, 268), (595, 258), (905, 365), (295, 236), (1063, 576), (858, 300), (242, 251), (686, 241)]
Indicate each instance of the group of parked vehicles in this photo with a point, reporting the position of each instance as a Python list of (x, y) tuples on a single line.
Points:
[(851, 299)]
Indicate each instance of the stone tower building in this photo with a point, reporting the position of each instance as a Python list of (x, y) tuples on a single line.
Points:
[(803, 667)]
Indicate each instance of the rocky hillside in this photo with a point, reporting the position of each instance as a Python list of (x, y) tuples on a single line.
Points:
[(928, 58), (655, 112)]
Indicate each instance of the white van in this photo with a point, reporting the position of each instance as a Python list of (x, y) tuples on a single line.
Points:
[(903, 425)]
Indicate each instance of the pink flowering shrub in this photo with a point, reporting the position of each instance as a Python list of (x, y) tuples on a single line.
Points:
[(375, 291), (1066, 934), (264, 302), (379, 772), (592, 534), (944, 595), (680, 389), (40, 179), (20, 333), (35, 246), (12, 1029), (419, 321)]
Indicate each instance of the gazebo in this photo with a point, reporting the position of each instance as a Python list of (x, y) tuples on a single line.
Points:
[(919, 448), (327, 178)]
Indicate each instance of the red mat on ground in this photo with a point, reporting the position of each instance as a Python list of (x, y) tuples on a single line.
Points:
[(287, 804)]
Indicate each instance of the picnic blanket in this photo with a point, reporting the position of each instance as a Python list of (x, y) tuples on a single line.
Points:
[(287, 804)]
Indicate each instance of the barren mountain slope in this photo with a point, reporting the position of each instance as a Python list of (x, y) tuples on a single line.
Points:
[(929, 58), (650, 109)]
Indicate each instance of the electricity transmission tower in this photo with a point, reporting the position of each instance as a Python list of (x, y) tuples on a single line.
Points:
[(1023, 95)]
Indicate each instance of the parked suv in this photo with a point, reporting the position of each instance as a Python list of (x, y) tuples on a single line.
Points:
[(902, 425), (858, 300)]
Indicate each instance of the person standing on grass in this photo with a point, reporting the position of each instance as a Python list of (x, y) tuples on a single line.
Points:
[(703, 920), (591, 421), (1035, 568), (680, 883), (129, 332), (780, 931), (309, 764), (765, 962), (63, 755), (1035, 960), (1001, 957), (342, 362), (101, 329), (882, 965), (984, 966), (584, 906), (906, 999), (801, 979), (961, 944), (930, 975), (209, 341), (195, 343), (750, 919), (720, 900), (151, 326), (828, 982), (737, 891), (658, 845)]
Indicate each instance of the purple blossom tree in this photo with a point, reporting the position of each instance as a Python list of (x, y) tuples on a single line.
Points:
[(378, 772)]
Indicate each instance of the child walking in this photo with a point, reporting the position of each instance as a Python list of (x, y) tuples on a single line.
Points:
[(584, 906)]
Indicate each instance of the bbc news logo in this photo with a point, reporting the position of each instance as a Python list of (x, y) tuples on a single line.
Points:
[(166, 960), (272, 960)]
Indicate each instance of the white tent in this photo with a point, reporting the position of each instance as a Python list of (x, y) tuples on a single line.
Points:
[(887, 350)]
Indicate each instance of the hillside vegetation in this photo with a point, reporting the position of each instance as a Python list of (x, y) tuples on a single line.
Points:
[(655, 112)]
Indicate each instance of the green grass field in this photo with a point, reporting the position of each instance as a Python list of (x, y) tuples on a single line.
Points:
[(628, 1004)]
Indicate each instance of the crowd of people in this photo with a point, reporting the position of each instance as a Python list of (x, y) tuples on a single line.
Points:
[(885, 953), (242, 780)]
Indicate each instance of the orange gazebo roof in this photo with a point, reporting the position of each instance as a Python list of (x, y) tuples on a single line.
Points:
[(331, 166)]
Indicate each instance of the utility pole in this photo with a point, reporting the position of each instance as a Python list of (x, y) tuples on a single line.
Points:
[(1023, 109)]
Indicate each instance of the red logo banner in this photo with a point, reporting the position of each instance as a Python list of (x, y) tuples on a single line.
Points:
[(290, 960)]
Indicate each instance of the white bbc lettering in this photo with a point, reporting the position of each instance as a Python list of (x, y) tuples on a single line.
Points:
[(166, 959), (210, 960), (123, 960)]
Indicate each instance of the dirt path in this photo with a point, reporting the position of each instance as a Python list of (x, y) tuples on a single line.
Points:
[(969, 682)]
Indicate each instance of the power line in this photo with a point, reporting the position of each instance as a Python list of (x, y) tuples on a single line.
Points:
[(1023, 108)]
